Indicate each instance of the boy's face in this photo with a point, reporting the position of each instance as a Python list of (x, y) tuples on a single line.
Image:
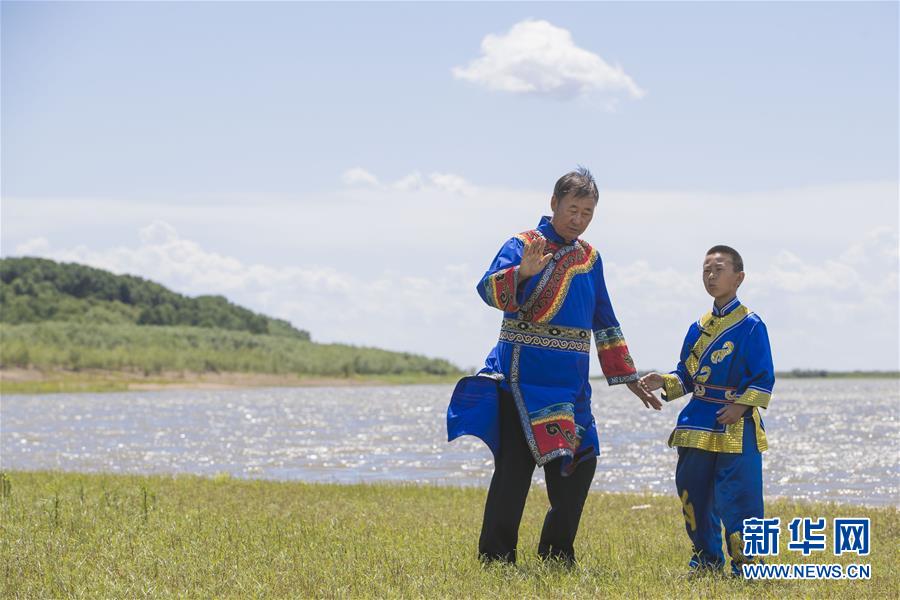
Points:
[(719, 277), (572, 215)]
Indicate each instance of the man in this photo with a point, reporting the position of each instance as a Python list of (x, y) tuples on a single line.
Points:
[(726, 366), (531, 401)]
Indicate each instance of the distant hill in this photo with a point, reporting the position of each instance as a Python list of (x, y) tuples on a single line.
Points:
[(34, 290), (77, 318)]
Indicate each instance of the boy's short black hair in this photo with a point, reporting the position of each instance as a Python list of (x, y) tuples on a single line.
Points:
[(736, 261), (579, 183)]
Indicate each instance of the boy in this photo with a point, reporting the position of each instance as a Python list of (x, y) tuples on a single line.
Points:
[(726, 363)]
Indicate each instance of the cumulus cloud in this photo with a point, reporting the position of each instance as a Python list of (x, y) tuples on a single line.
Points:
[(858, 286), (451, 183), (879, 245), (158, 232), (536, 57), (32, 247), (359, 176), (165, 256), (411, 182), (415, 181), (790, 273), (867, 268)]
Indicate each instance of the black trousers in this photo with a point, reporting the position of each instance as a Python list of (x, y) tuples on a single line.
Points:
[(509, 489)]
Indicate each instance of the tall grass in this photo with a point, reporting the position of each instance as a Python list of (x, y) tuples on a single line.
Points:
[(154, 349), (102, 536)]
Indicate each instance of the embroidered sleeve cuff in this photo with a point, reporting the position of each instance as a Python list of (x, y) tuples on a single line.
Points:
[(500, 289), (616, 380), (755, 397), (672, 387), (615, 360)]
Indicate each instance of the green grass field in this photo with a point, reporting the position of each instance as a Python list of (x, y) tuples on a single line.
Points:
[(103, 536)]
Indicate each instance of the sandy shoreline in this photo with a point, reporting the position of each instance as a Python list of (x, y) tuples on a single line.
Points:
[(43, 381)]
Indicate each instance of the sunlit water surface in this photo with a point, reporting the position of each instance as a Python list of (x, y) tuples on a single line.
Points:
[(829, 439)]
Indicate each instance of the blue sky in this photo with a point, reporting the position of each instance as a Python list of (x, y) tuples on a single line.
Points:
[(353, 167)]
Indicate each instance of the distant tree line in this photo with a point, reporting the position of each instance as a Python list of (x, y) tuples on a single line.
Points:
[(819, 373), (802, 373), (34, 290)]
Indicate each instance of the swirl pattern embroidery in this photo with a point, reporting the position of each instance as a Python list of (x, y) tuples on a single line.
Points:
[(719, 355), (548, 297)]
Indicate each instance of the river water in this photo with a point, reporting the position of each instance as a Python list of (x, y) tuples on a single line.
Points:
[(829, 439)]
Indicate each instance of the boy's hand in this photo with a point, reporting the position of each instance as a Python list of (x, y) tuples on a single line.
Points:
[(730, 414), (649, 400), (533, 259), (652, 381)]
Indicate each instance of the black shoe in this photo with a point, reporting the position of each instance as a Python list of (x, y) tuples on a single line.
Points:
[(565, 558), (702, 568), (508, 558), (737, 571)]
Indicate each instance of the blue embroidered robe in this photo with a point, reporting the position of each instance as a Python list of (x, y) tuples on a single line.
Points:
[(543, 353), (725, 359)]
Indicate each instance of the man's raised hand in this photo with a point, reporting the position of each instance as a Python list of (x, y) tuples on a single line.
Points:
[(533, 259)]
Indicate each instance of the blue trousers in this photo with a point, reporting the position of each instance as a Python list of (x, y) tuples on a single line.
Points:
[(716, 490)]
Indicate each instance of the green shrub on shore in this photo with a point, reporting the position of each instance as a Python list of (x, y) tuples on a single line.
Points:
[(152, 350), (92, 536), (34, 290)]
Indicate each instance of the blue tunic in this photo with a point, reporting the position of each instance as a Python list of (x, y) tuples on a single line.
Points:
[(543, 353), (725, 359)]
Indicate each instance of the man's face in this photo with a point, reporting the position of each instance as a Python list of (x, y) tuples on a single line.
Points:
[(572, 215), (719, 277)]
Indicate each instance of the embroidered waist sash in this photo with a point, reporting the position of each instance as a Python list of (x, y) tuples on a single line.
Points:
[(715, 393), (546, 336)]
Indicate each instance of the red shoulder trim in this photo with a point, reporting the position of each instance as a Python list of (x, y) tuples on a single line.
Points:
[(528, 236)]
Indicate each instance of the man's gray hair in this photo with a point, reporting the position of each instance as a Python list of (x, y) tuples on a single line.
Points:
[(579, 183)]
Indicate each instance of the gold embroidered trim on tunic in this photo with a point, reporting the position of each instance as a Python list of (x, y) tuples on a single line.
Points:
[(731, 441), (754, 398), (672, 387), (711, 327)]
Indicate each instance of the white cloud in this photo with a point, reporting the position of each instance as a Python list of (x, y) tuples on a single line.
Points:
[(411, 182), (158, 232), (536, 57), (33, 247), (451, 183), (359, 176), (879, 244), (415, 181), (791, 274), (866, 270), (163, 255)]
